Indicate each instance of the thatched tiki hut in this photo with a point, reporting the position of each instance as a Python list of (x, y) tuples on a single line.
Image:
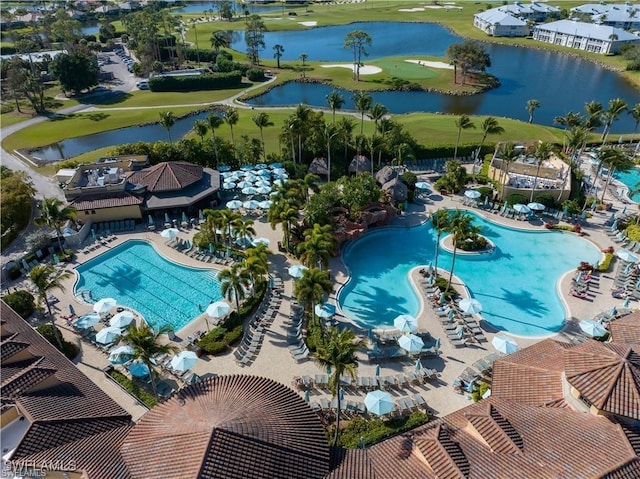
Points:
[(360, 164), (319, 167), (396, 190), (386, 174)]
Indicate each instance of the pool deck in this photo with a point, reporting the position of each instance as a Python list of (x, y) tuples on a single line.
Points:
[(274, 359)]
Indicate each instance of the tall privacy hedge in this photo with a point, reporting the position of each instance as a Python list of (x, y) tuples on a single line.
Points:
[(207, 81)]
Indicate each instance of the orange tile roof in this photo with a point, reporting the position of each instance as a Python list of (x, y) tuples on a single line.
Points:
[(626, 329), (113, 200), (167, 176)]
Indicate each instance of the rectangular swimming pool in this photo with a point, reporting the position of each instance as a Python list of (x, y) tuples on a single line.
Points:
[(137, 276)]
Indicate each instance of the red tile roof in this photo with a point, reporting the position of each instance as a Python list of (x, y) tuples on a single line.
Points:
[(626, 329), (352, 463), (98, 202), (167, 176), (606, 375), (228, 427)]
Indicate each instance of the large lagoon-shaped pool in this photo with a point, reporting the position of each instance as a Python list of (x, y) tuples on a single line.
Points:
[(516, 284), (164, 292)]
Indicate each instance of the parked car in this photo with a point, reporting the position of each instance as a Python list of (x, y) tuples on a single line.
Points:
[(143, 85)]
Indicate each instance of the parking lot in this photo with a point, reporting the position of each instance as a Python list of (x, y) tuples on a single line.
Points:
[(119, 65)]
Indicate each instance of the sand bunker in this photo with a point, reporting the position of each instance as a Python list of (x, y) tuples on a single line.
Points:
[(308, 24), (425, 63), (364, 70), (411, 10), (436, 7)]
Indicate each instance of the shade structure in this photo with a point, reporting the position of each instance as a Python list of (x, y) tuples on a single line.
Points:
[(234, 204), (122, 319), (325, 310), (219, 309), (138, 369), (184, 360), (251, 205), (536, 206), (405, 323), (246, 167), (244, 184), (120, 355), (87, 320), (263, 190), (266, 204), (108, 335), (297, 270), (379, 402), (473, 194), (626, 255), (170, 233), (264, 241), (250, 190), (411, 343), (104, 305), (521, 208), (224, 168), (229, 185), (275, 165), (504, 344), (592, 328), (470, 305), (424, 185)]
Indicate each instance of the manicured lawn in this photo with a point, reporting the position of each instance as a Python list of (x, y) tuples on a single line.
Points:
[(405, 69), (11, 118)]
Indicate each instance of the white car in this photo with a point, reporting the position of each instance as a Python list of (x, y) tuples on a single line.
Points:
[(143, 85)]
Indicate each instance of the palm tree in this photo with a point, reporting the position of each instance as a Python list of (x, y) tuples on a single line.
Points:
[(257, 257), (54, 216), (441, 224), (346, 126), (227, 220), (146, 345), (460, 227), (231, 117), (214, 122), (462, 123), (312, 287), (489, 126), (568, 122), (279, 50), (255, 270), (213, 221), (335, 101), (616, 160), (244, 229), (508, 155), (363, 103), (262, 121), (219, 40), (318, 246), (303, 57), (377, 112), (201, 127), (611, 114), (167, 120), (532, 105), (233, 283), (385, 126), (338, 352), (542, 153), (635, 113), (46, 278), (287, 218)]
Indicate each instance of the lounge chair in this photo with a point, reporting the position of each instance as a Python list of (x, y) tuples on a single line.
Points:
[(459, 343)]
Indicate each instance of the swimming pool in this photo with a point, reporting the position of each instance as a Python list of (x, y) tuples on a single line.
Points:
[(164, 292), (631, 179), (516, 283)]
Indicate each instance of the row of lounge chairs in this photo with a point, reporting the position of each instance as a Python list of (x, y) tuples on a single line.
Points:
[(295, 336), (460, 327), (186, 247), (350, 408)]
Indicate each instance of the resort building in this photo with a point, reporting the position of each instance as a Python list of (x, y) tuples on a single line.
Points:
[(589, 37), (126, 187), (534, 11), (500, 24), (625, 16), (523, 176)]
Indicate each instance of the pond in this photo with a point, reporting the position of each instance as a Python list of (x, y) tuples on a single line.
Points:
[(560, 83), (152, 132)]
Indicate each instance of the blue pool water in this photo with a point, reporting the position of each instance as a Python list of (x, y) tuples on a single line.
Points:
[(631, 179), (165, 293), (516, 284)]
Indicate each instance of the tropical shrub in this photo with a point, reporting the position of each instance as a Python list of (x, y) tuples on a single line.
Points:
[(256, 74), (633, 232), (70, 350), (474, 242), (606, 262), (449, 292), (546, 199), (145, 397), (517, 198), (22, 302), (373, 431), (209, 81)]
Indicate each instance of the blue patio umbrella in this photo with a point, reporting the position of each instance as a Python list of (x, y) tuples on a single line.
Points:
[(184, 217), (93, 233), (246, 167), (259, 166), (224, 168), (375, 348), (87, 320), (325, 310), (592, 328), (565, 211), (614, 225), (411, 343), (522, 209), (108, 335), (418, 366), (138, 369), (361, 443), (229, 185), (470, 387), (56, 258), (379, 402), (377, 370), (166, 218), (436, 345), (72, 311), (212, 248), (306, 396), (275, 165), (121, 354), (328, 368), (473, 194), (341, 394), (405, 323), (297, 270), (486, 200), (583, 216), (423, 185), (594, 205), (150, 220), (627, 300), (184, 361)]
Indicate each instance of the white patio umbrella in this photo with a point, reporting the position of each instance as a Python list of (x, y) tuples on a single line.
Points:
[(121, 354), (405, 323), (504, 344), (108, 335), (473, 194), (104, 305), (626, 255), (592, 328), (229, 185), (379, 402), (263, 190), (411, 343), (297, 270), (251, 205), (184, 360), (521, 208), (266, 204), (219, 309), (325, 310), (264, 241), (244, 184), (234, 204), (249, 190), (122, 319), (278, 182), (470, 305), (536, 206), (424, 185), (170, 233)]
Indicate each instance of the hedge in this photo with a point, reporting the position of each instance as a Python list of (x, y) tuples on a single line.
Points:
[(207, 81), (606, 262), (373, 431), (70, 350), (148, 399)]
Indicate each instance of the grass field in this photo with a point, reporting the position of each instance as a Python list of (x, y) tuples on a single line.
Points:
[(404, 69)]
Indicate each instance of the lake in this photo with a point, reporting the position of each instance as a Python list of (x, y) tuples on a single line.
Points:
[(560, 83)]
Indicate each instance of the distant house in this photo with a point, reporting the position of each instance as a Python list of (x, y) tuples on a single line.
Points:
[(499, 24), (538, 12), (584, 36), (625, 16)]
